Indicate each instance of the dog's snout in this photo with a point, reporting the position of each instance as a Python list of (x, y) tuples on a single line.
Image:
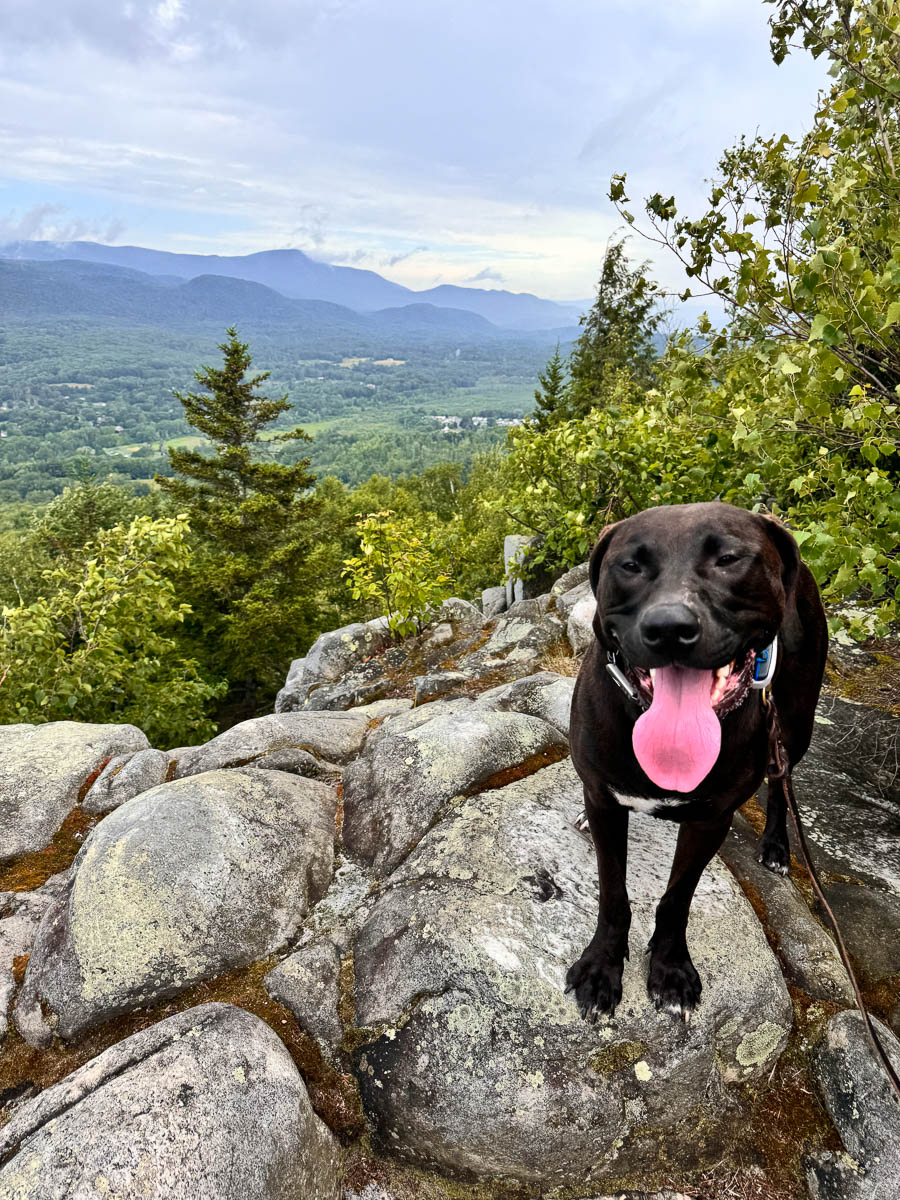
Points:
[(670, 627)]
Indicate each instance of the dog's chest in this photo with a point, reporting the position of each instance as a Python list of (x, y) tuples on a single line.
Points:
[(650, 804)]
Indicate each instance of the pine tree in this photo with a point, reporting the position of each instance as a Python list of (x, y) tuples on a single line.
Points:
[(254, 577), (549, 396), (617, 332), (617, 337)]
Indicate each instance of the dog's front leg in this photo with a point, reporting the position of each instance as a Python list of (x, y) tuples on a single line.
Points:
[(596, 978), (774, 847), (672, 981)]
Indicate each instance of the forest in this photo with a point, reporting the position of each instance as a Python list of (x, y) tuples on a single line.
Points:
[(76, 392), (177, 604)]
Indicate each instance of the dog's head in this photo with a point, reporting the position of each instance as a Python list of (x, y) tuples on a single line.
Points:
[(695, 585)]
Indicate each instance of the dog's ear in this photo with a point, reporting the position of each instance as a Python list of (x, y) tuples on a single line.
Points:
[(598, 552), (784, 543)]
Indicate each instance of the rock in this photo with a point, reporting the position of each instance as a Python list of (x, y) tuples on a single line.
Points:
[(643, 1196), (188, 880), (493, 601), (474, 1060), (519, 584), (864, 915), (43, 769), (365, 685), (849, 796), (436, 684), (20, 915), (404, 779), (206, 1105), (344, 906), (807, 954), (847, 658), (416, 717), (308, 984), (515, 548), (437, 636), (335, 737), (380, 710), (566, 601), (297, 762), (333, 655), (545, 695), (858, 1097), (520, 640), (125, 777), (289, 698), (462, 614), (580, 625), (571, 579), (532, 609)]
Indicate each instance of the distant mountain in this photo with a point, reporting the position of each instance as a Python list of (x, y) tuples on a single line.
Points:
[(296, 275), (428, 316), (33, 291)]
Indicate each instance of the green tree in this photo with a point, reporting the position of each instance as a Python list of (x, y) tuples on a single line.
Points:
[(72, 520), (253, 582), (100, 645), (617, 334), (550, 394), (396, 573)]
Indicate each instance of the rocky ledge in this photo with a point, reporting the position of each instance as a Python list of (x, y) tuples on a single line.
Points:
[(381, 888)]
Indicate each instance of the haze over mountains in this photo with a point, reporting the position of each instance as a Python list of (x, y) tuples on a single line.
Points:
[(295, 276)]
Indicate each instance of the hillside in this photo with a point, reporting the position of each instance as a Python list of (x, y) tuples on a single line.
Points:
[(31, 291), (294, 274), (91, 353)]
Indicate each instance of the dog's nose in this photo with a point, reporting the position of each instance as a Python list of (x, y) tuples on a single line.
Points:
[(670, 627)]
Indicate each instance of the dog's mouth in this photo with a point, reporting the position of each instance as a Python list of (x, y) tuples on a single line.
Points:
[(728, 685), (678, 739)]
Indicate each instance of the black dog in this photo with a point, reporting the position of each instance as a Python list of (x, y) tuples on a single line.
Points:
[(666, 718)]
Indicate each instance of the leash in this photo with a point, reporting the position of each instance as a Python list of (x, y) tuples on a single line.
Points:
[(780, 770)]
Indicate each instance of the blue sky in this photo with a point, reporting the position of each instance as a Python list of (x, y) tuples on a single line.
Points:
[(464, 142)]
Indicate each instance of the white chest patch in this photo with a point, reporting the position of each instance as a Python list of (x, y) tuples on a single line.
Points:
[(649, 804)]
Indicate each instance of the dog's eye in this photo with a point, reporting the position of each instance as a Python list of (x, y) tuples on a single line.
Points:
[(726, 560), (631, 567)]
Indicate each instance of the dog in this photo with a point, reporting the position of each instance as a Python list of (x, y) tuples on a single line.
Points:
[(696, 604)]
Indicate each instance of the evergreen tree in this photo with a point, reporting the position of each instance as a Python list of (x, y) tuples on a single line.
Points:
[(618, 331), (549, 396), (616, 339), (254, 575)]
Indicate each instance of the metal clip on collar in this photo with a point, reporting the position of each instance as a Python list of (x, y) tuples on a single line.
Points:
[(621, 679)]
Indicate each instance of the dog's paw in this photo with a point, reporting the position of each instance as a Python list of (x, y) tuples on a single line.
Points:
[(674, 986), (774, 856), (597, 984)]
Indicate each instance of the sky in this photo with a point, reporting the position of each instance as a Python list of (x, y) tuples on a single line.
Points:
[(469, 142)]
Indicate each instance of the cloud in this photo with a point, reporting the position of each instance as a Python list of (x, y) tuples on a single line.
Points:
[(350, 258), (403, 256), (487, 274), (311, 225), (52, 223), (423, 139), (167, 29)]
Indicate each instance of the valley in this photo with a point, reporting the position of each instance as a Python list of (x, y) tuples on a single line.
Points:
[(91, 355)]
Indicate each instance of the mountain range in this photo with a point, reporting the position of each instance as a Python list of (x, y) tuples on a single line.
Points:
[(295, 276), (52, 292)]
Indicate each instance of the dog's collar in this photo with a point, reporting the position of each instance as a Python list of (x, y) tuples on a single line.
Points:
[(623, 682)]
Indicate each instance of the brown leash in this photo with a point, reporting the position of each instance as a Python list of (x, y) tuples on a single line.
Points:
[(780, 770)]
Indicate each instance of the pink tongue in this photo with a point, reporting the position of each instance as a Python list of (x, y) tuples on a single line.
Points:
[(677, 740)]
